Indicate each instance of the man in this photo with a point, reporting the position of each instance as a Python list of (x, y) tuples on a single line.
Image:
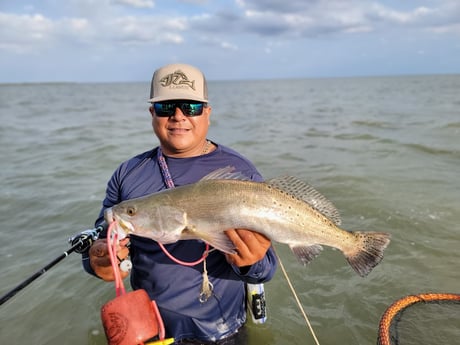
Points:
[(180, 119)]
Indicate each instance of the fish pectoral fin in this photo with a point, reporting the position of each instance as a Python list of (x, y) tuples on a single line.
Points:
[(306, 253), (218, 240)]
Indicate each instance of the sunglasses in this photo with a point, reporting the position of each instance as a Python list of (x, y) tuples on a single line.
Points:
[(188, 108)]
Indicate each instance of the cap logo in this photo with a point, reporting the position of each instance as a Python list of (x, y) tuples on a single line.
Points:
[(178, 79)]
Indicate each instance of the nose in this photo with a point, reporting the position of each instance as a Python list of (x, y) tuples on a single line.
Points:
[(178, 114)]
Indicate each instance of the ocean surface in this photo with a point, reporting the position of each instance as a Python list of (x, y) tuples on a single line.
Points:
[(385, 151)]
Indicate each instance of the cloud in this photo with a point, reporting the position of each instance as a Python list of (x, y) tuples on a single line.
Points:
[(258, 31), (216, 42), (28, 33), (106, 24), (19, 32), (136, 3), (147, 29), (299, 18)]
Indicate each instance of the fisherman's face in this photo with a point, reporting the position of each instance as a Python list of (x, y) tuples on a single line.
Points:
[(181, 135)]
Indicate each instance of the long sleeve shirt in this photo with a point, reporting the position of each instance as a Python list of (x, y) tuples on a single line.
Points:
[(176, 288)]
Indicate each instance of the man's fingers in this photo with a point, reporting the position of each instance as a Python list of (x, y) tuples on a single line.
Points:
[(235, 237), (99, 248), (250, 247)]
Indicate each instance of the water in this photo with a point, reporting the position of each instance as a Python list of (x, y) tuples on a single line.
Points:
[(386, 151)]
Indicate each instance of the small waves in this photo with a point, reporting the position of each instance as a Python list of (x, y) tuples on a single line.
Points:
[(454, 125), (374, 124), (385, 151), (433, 150), (354, 136)]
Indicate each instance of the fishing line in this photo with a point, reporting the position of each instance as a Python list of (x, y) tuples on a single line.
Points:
[(307, 321)]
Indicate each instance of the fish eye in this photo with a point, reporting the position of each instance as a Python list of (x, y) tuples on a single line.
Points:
[(131, 211)]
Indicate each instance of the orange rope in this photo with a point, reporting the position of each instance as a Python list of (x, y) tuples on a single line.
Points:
[(401, 304)]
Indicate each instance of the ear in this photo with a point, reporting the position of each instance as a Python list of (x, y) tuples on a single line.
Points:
[(152, 111), (209, 110)]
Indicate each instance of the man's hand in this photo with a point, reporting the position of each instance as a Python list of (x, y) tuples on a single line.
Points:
[(250, 247), (100, 259)]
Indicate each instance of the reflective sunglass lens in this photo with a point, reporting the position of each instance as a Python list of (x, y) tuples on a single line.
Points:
[(166, 109)]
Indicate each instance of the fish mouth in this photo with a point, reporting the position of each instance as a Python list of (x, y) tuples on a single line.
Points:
[(121, 227), (125, 226)]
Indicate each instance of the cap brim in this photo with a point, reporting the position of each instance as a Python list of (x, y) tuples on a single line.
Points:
[(185, 96)]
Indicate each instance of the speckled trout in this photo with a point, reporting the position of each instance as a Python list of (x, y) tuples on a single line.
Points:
[(285, 209)]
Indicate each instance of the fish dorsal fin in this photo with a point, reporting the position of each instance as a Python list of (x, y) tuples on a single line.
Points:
[(227, 173), (307, 193)]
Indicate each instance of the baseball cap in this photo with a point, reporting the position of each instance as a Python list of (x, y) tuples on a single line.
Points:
[(178, 81)]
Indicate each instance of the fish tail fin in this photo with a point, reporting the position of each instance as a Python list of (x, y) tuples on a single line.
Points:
[(371, 246)]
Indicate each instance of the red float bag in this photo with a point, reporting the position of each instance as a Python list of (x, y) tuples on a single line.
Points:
[(131, 319)]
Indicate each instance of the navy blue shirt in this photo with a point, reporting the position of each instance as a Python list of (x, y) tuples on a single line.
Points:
[(174, 287)]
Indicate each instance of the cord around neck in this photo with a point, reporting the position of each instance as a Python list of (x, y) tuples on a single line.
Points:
[(170, 184)]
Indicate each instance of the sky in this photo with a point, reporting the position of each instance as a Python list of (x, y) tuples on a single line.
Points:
[(126, 40)]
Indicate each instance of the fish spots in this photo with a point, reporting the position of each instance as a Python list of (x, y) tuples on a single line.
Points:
[(286, 194), (286, 209)]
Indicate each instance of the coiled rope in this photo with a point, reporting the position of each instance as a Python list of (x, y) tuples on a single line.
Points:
[(389, 317)]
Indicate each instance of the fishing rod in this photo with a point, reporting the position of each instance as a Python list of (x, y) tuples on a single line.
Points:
[(80, 243)]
